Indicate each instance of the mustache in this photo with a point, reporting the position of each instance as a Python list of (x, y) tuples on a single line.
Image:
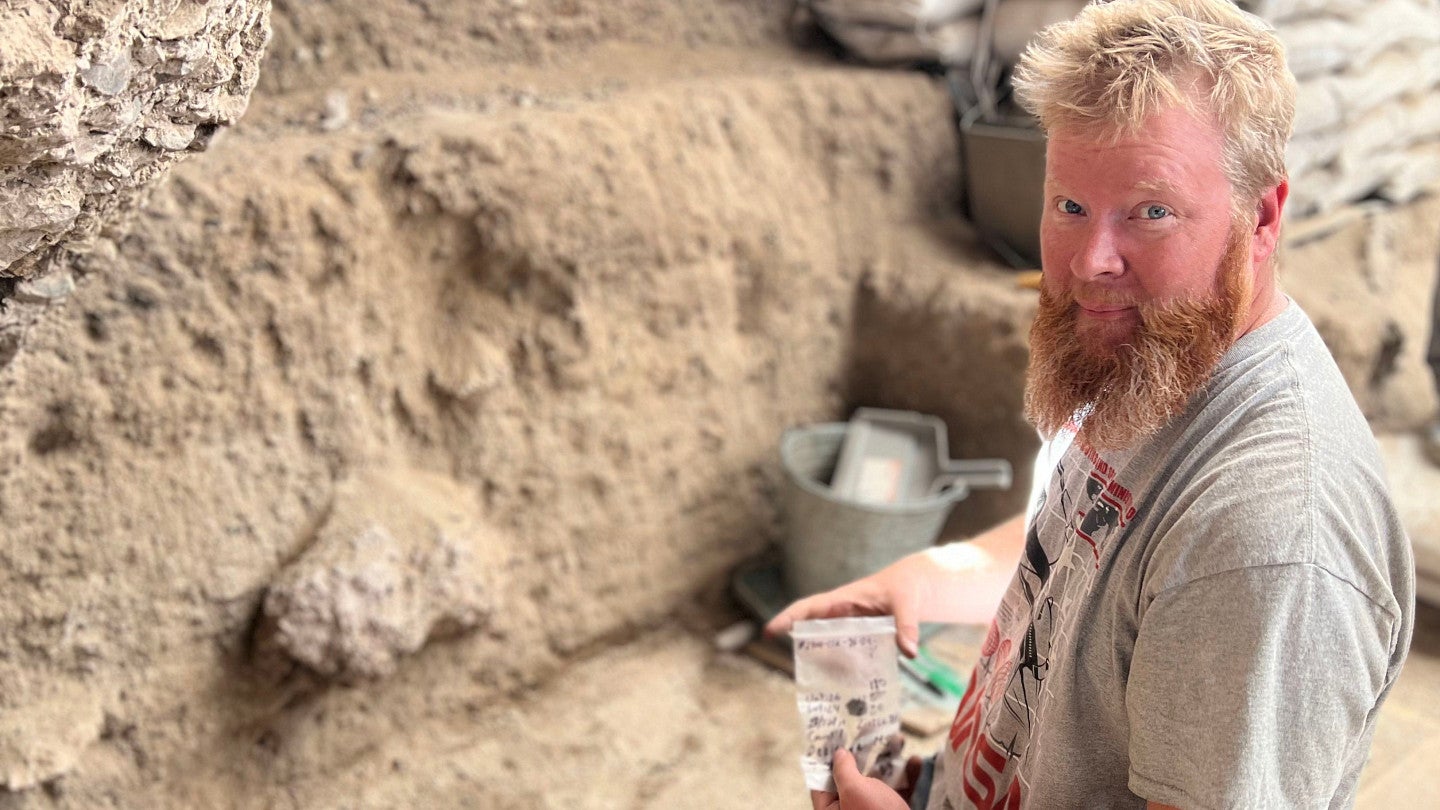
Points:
[(1093, 295), (1067, 301), (1099, 296)]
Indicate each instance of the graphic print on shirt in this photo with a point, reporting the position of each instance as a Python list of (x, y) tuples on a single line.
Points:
[(1082, 510)]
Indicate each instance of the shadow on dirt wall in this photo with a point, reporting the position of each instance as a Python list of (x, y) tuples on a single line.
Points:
[(965, 365)]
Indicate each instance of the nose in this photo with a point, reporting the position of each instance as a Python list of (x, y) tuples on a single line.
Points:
[(1098, 254)]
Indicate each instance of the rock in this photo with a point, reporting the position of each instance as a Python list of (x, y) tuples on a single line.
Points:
[(109, 74), (47, 289), (101, 98), (398, 562), (171, 136), (32, 212), (337, 111), (44, 740)]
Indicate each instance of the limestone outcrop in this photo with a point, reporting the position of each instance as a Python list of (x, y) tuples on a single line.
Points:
[(399, 560), (99, 100)]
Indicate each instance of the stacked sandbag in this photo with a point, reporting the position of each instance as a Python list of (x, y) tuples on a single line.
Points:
[(933, 32), (1368, 108), (902, 32)]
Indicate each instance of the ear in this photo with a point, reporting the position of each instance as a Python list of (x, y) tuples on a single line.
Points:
[(1269, 210)]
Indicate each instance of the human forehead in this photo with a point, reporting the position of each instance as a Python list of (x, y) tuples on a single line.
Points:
[(1173, 153)]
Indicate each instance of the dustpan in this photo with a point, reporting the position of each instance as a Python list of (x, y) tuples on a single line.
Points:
[(891, 456)]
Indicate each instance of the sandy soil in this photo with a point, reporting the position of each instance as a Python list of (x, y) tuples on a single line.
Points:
[(566, 272)]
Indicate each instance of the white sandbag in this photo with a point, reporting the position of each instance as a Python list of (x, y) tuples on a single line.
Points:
[(1370, 139), (866, 12), (1392, 152), (938, 11), (1424, 111), (1278, 10), (1398, 174), (951, 43), (1321, 45), (1389, 22), (1390, 128), (1405, 69), (1427, 66), (954, 41), (1327, 190), (1351, 186), (1307, 192), (1323, 190), (1304, 154), (1418, 173), (1318, 106), (895, 13), (1017, 22), (1414, 13)]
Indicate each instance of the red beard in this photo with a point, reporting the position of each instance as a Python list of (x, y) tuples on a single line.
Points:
[(1133, 385)]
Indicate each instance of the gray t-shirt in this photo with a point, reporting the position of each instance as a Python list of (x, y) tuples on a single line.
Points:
[(1211, 619)]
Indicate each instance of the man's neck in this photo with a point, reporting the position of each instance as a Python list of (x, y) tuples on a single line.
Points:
[(1268, 303)]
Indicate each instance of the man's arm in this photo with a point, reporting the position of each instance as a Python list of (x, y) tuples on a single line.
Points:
[(1251, 686), (958, 582), (970, 577)]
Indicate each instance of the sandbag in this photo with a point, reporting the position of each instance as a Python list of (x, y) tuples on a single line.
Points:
[(1307, 190), (1320, 45), (890, 32), (1424, 111), (1312, 151), (1406, 69), (951, 43), (1418, 173), (1318, 106), (1390, 152), (1322, 190), (1314, 47), (1390, 128), (1017, 21), (896, 13), (1280, 10)]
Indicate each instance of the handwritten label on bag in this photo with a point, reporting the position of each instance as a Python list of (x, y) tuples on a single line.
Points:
[(847, 689)]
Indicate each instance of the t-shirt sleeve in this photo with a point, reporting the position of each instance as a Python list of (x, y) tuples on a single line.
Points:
[(1250, 688)]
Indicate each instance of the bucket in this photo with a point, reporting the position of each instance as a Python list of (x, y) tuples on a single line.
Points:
[(830, 540)]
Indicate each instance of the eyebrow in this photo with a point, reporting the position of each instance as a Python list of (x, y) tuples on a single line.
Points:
[(1158, 186)]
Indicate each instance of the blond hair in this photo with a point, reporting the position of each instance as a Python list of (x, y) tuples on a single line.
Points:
[(1117, 63)]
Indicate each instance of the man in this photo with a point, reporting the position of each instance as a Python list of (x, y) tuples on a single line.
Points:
[(1211, 594)]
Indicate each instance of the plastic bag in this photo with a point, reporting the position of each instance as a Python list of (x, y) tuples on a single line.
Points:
[(847, 682)]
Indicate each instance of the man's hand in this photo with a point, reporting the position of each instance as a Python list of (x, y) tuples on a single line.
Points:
[(858, 791), (894, 591), (957, 583)]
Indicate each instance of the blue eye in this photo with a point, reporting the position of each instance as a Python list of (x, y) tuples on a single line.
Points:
[(1156, 212), (1071, 207)]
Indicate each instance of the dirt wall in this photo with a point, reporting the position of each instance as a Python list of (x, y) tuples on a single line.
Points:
[(463, 358), (560, 328)]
